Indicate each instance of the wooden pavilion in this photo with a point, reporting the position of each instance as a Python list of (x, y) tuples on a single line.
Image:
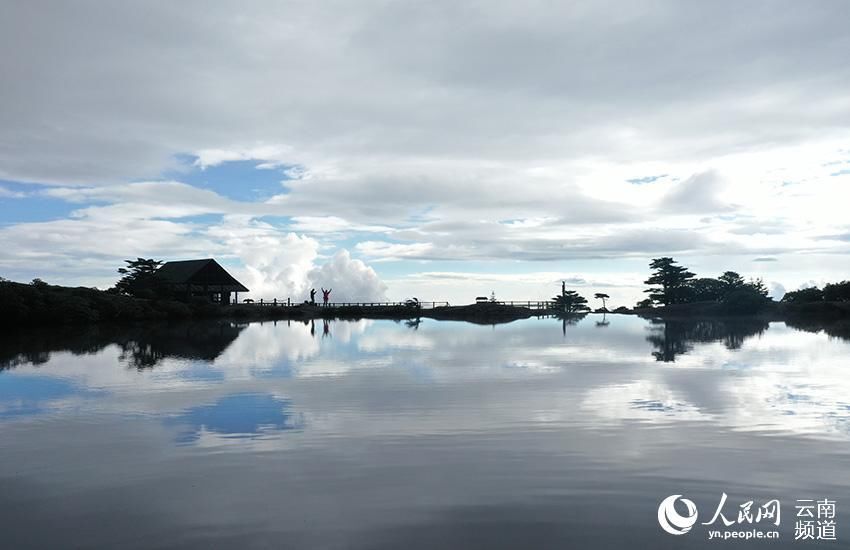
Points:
[(200, 279)]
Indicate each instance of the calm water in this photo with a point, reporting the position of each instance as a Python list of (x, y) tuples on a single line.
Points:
[(375, 434)]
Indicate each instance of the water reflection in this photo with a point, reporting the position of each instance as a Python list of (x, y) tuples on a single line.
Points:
[(143, 346), (31, 395), (146, 346), (568, 320), (205, 341), (836, 329), (425, 434), (247, 415), (676, 337)]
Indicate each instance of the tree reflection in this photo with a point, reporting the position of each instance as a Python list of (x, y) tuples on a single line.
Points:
[(834, 329), (142, 346), (676, 337), (569, 319), (413, 323), (204, 341)]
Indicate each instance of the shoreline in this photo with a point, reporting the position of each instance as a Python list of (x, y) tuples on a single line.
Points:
[(48, 305)]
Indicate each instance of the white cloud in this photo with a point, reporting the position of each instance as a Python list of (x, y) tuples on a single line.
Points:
[(350, 280), (333, 224), (275, 262), (392, 251), (271, 155)]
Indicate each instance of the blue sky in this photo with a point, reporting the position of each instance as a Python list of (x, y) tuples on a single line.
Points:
[(523, 146)]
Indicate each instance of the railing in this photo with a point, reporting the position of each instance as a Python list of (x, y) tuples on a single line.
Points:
[(286, 303), (424, 305), (530, 304)]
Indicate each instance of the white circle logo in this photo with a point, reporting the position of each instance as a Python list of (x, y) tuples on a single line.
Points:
[(671, 521)]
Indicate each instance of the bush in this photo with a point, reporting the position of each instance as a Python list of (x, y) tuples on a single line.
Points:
[(837, 292), (76, 309), (744, 301), (803, 296)]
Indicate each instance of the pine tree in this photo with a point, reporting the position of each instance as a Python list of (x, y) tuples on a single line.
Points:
[(672, 280), (138, 277), (571, 301)]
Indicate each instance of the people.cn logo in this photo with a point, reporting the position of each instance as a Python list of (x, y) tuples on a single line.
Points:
[(673, 522)]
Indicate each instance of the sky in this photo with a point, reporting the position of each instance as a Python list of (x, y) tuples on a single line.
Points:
[(443, 149)]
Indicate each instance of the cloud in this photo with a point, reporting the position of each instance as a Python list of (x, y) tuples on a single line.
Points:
[(350, 280), (844, 237), (524, 87), (646, 179), (285, 265), (9, 194), (776, 290), (520, 135), (275, 263), (87, 249), (333, 224), (393, 251), (697, 194), (271, 155)]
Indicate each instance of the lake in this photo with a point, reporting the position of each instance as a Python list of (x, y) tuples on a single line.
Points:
[(542, 433)]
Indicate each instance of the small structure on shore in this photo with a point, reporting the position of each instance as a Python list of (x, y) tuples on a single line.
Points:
[(200, 279)]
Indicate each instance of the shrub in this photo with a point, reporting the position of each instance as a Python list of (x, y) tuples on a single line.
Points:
[(837, 292), (744, 301), (803, 296)]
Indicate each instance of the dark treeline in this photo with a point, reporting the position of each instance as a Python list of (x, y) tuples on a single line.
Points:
[(675, 289), (41, 303), (832, 292), (672, 284)]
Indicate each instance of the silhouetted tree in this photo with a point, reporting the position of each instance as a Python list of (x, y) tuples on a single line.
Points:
[(138, 278), (571, 302), (38, 283), (803, 296), (757, 286), (837, 292), (746, 300), (731, 280), (671, 279), (643, 304), (706, 289), (602, 296)]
